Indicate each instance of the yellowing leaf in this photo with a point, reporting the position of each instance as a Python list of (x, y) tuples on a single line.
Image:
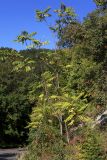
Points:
[(69, 118), (28, 68), (71, 123), (53, 97), (62, 104)]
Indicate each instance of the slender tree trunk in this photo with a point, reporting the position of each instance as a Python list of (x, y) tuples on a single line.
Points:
[(60, 116), (53, 35), (57, 75), (61, 127), (60, 124), (67, 133), (26, 43)]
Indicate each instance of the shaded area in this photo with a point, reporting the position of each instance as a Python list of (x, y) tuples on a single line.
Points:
[(9, 154)]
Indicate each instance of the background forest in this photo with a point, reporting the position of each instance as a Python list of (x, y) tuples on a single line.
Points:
[(50, 99)]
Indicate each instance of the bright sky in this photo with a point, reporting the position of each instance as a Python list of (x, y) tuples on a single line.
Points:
[(19, 15)]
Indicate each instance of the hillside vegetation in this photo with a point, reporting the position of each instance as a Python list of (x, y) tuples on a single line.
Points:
[(50, 99)]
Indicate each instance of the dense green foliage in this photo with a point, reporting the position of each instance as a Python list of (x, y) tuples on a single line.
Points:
[(53, 97), (16, 79), (14, 105)]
